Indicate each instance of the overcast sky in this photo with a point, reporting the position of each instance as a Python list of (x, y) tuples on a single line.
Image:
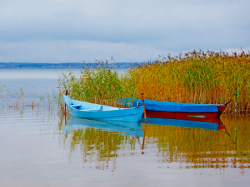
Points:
[(128, 30)]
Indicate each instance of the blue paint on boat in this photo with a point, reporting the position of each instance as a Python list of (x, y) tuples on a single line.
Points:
[(165, 106), (124, 128), (101, 112)]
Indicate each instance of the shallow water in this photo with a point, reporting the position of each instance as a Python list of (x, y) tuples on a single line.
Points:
[(39, 147)]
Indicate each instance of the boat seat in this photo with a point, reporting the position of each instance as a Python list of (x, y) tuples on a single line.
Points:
[(91, 110), (76, 106)]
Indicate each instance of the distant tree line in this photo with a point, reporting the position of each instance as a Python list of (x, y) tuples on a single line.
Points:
[(72, 65)]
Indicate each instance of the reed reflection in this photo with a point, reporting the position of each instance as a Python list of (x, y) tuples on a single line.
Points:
[(197, 144), (102, 141), (193, 144)]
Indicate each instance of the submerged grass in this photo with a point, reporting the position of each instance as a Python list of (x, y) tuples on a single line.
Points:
[(18, 99)]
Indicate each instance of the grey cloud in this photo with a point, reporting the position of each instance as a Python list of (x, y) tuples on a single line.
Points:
[(160, 25)]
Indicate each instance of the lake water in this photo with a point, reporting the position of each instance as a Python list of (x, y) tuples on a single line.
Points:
[(40, 147)]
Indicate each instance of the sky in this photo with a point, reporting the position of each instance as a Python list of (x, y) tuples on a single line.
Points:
[(127, 30)]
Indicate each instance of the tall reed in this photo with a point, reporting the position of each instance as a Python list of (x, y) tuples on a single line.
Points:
[(102, 85), (197, 77), (194, 77)]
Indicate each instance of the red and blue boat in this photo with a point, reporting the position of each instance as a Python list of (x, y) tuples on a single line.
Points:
[(174, 110)]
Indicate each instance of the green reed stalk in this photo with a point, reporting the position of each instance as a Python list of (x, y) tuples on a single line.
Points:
[(102, 85)]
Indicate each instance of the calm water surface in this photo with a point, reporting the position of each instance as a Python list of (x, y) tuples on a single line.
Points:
[(40, 147)]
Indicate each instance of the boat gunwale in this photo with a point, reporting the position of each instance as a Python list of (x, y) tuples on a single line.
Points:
[(96, 110), (172, 103)]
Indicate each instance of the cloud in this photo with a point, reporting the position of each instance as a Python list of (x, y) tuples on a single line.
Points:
[(75, 51), (161, 26)]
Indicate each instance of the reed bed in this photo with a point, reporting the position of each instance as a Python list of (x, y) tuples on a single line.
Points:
[(194, 77), (102, 85), (197, 77)]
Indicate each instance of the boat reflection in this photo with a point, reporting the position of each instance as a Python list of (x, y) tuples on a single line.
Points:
[(124, 128), (211, 125), (192, 144)]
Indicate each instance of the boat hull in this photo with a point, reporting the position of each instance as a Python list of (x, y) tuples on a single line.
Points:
[(186, 111), (101, 112), (131, 115), (197, 116)]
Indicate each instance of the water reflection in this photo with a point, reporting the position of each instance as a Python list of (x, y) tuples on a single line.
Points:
[(201, 144), (214, 124), (102, 141), (217, 144), (124, 128)]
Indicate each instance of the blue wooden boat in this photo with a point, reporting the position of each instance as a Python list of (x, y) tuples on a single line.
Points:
[(124, 128), (101, 112), (174, 110)]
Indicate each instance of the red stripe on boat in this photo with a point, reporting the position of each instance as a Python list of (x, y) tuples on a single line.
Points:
[(197, 116)]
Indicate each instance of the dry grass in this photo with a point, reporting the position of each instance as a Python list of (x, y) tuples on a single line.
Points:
[(197, 77)]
